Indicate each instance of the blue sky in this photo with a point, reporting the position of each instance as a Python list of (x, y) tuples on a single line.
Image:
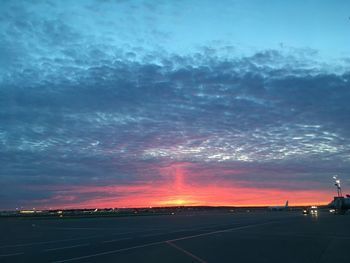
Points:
[(179, 94)]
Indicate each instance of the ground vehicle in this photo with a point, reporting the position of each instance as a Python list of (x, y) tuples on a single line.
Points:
[(310, 210)]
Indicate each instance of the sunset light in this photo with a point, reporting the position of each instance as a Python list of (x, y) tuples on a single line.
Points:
[(175, 103), (174, 131)]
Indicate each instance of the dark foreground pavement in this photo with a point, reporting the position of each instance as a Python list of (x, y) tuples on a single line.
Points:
[(198, 237)]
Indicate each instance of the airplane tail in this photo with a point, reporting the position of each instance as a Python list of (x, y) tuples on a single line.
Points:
[(286, 206)]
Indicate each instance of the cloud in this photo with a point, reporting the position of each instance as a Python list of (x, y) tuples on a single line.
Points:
[(77, 111)]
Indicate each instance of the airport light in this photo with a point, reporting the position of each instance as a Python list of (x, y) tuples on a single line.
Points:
[(337, 184)]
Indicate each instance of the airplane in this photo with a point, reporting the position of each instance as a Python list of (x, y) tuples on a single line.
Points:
[(279, 208)]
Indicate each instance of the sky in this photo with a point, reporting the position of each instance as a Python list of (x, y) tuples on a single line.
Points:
[(158, 103)]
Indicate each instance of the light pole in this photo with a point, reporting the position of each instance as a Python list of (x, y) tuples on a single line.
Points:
[(337, 184)]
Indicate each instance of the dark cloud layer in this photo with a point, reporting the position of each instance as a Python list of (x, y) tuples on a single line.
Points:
[(76, 114)]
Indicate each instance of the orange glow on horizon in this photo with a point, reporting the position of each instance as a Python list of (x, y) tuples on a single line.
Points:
[(189, 196), (175, 190)]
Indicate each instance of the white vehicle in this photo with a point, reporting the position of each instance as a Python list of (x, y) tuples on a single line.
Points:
[(310, 210)]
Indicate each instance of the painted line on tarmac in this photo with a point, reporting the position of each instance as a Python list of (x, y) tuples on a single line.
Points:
[(221, 231), (185, 252), (71, 239), (163, 242), (302, 235), (158, 234), (177, 231), (116, 240), (202, 228), (95, 228), (49, 242), (75, 228), (66, 247), (11, 255), (96, 236), (109, 252)]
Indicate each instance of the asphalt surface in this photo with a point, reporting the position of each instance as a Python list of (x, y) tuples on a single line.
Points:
[(188, 237)]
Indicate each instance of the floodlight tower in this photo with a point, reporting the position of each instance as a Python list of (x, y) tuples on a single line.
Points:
[(337, 184)]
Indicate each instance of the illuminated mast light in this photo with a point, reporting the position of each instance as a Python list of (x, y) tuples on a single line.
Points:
[(337, 184)]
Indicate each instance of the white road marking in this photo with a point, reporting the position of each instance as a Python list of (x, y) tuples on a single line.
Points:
[(115, 240), (162, 242), (73, 239), (11, 255), (220, 231), (299, 235), (186, 252), (50, 242), (203, 228), (110, 252), (158, 234), (67, 247), (76, 228), (95, 228)]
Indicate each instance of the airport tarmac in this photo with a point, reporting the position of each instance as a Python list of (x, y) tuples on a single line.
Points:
[(185, 237)]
